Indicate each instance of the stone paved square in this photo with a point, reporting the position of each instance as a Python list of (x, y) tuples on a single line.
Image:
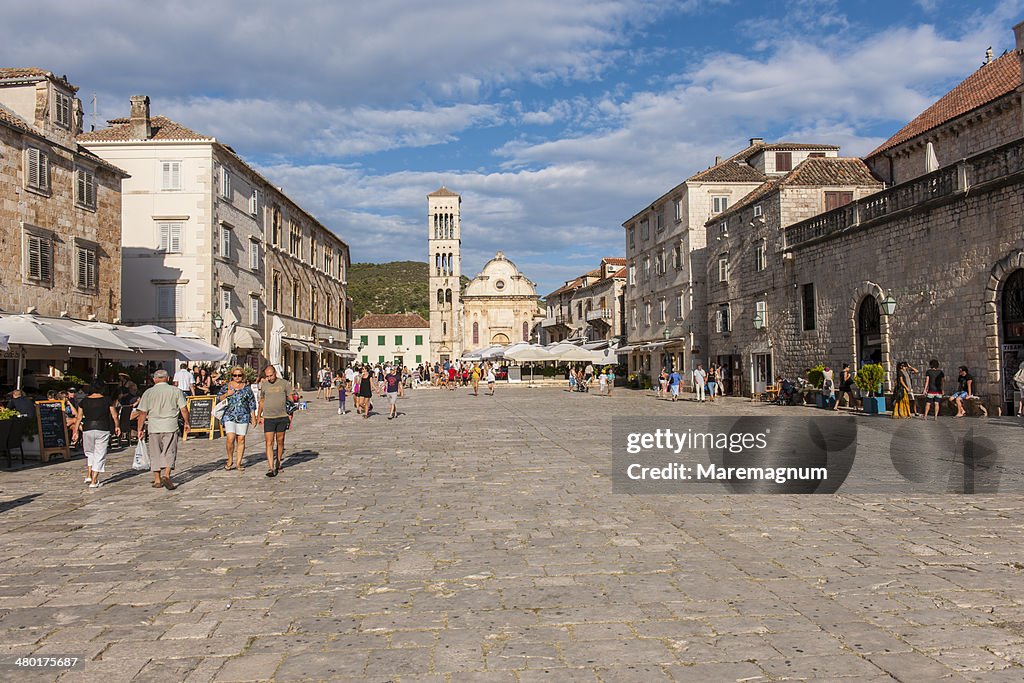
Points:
[(479, 539)]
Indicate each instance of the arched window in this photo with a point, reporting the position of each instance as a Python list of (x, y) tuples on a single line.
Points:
[(448, 296), (451, 267), (440, 296), (476, 334), (437, 263), (526, 332)]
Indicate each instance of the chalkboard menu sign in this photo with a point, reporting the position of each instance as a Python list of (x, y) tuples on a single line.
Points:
[(53, 430), (200, 414)]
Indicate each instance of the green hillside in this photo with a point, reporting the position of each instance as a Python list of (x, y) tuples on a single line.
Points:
[(396, 287)]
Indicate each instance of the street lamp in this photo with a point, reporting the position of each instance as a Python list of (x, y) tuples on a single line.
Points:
[(888, 304), (758, 322), (218, 321), (666, 334)]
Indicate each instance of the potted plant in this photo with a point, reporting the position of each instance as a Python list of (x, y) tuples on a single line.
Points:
[(816, 378), (869, 380)]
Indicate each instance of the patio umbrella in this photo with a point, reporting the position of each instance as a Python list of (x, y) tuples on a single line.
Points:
[(28, 330), (227, 333), (276, 348), (528, 353), (572, 353), (4, 338), (193, 349)]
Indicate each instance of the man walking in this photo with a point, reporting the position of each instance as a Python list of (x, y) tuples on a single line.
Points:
[(673, 382), (160, 405), (699, 379), (933, 387), (273, 415), (183, 379)]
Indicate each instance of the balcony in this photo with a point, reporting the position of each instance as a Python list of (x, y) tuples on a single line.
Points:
[(600, 315), (938, 186), (554, 321)]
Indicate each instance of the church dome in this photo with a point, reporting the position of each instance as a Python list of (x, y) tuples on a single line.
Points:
[(500, 277)]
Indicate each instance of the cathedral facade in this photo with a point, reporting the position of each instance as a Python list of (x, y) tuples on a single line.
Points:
[(500, 306)]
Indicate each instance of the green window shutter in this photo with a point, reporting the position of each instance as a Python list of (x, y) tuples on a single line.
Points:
[(398, 340), (365, 360), (364, 340), (419, 359), (419, 341), (380, 340)]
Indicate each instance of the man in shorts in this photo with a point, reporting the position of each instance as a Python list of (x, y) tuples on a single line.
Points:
[(933, 377), (274, 417), (673, 384), (161, 404), (392, 385), (964, 390)]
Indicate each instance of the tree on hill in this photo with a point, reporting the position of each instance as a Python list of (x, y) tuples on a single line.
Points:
[(395, 287)]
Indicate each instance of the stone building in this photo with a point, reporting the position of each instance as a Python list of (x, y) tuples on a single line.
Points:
[(666, 252), (499, 306), (590, 307), (944, 246), (60, 205), (211, 247), (750, 303), (401, 338)]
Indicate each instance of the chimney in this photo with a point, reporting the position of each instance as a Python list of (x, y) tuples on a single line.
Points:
[(1018, 32), (140, 118), (756, 141), (718, 160)]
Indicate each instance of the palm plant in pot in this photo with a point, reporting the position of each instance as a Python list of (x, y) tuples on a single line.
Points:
[(869, 380)]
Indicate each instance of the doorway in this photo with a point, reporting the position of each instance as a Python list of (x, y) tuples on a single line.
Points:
[(761, 372), (869, 332), (1011, 317)]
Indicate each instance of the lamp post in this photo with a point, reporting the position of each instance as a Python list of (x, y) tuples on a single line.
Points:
[(758, 322), (888, 304), (218, 323)]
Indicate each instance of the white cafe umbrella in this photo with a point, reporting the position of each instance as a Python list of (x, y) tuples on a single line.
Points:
[(528, 353), (276, 349), (571, 353), (193, 349), (4, 338), (28, 330), (227, 333), (931, 161)]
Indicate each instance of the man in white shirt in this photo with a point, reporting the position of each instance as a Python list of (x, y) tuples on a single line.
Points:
[(700, 378), (183, 379)]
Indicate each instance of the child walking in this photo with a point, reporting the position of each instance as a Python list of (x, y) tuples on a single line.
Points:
[(343, 388)]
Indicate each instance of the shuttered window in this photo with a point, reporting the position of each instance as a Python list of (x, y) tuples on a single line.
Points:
[(833, 200), (254, 311), (170, 175), (39, 258), (170, 237), (254, 255), (85, 188), (85, 262), (62, 110), (170, 301), (254, 202), (37, 169), (225, 182), (226, 299), (783, 161)]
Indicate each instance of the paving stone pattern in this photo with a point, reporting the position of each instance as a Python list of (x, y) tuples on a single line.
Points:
[(477, 539)]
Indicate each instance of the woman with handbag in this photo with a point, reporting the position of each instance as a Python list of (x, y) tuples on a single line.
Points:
[(239, 411), (95, 420)]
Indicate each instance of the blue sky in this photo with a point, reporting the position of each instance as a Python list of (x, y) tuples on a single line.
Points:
[(556, 121)]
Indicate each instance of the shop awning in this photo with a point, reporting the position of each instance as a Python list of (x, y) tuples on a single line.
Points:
[(295, 345), (247, 338)]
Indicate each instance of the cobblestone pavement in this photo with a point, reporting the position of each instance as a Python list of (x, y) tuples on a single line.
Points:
[(478, 539)]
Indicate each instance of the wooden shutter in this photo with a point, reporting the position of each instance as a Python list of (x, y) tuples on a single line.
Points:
[(37, 169), (833, 200), (783, 161), (171, 175)]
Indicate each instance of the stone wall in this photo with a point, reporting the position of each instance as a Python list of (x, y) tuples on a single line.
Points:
[(943, 265), (59, 215)]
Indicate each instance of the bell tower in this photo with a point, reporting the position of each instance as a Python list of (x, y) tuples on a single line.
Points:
[(444, 259)]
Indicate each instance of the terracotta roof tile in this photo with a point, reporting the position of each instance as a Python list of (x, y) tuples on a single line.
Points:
[(615, 261), (992, 81), (811, 172), (373, 321), (729, 172), (31, 72), (163, 128), (568, 287), (443, 192), (11, 119), (620, 273)]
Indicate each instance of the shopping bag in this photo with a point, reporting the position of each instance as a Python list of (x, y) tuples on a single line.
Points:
[(141, 459), (220, 409)]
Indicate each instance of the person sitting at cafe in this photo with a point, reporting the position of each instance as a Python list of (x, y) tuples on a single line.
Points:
[(786, 391), (22, 403)]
